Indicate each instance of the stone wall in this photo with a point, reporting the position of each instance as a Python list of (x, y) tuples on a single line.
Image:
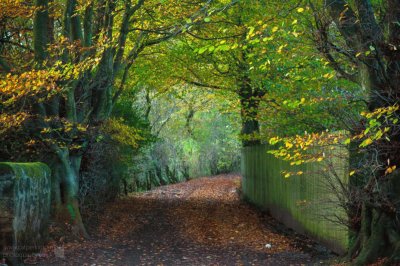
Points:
[(24, 207)]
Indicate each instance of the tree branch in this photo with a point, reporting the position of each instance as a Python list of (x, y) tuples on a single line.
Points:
[(213, 38), (200, 84), (124, 30)]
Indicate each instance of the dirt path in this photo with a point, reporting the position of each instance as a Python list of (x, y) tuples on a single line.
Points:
[(201, 222)]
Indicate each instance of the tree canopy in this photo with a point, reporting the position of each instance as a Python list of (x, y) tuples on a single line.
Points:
[(152, 92)]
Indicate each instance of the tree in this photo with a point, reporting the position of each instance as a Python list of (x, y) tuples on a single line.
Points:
[(244, 51), (81, 54), (360, 40), (226, 48)]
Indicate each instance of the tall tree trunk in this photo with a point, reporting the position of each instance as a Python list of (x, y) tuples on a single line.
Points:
[(41, 30), (379, 234), (250, 124), (65, 167), (68, 170), (249, 102), (104, 79)]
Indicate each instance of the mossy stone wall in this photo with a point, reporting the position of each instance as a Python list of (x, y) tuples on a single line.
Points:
[(24, 206), (305, 202)]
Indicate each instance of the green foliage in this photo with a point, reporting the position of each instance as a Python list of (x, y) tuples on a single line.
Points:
[(122, 133), (191, 137)]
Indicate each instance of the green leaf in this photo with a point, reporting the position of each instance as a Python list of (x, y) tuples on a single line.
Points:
[(378, 135), (224, 47), (202, 50)]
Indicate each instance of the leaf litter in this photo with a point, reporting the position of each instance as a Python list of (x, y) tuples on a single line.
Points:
[(199, 222)]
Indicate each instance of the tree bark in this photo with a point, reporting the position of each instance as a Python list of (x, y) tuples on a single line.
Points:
[(376, 233), (68, 168), (250, 125), (249, 103), (40, 30)]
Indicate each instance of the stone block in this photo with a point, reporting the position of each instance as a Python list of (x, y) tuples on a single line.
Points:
[(25, 190)]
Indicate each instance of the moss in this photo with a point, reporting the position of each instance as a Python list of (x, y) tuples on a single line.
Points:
[(71, 211), (18, 170)]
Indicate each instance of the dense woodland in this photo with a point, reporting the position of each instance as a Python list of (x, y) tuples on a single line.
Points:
[(122, 96)]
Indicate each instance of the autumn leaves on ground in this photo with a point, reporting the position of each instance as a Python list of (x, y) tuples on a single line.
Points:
[(200, 222)]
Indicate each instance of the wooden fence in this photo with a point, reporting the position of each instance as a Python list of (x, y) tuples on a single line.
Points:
[(307, 203)]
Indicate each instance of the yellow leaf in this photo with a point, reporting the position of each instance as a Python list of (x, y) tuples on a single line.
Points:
[(366, 142), (275, 29), (390, 170), (288, 145), (300, 10), (273, 141), (352, 173)]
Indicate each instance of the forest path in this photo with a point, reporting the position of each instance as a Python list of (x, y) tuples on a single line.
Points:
[(200, 222)]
